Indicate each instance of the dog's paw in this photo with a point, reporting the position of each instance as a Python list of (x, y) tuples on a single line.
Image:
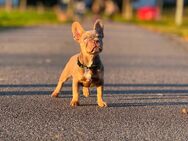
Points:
[(86, 93), (54, 94), (102, 104), (74, 103)]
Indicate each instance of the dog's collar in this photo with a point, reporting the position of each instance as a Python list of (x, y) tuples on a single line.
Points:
[(92, 67)]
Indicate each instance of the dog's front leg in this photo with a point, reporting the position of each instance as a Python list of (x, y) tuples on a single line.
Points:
[(64, 76), (100, 101), (75, 93)]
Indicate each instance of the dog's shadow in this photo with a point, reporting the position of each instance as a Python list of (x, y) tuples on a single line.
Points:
[(147, 104), (143, 93)]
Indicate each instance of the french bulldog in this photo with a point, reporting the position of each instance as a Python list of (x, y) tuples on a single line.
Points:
[(85, 68)]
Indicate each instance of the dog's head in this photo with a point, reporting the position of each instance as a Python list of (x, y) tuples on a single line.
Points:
[(90, 41)]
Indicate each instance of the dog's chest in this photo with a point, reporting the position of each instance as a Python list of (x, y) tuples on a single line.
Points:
[(89, 77)]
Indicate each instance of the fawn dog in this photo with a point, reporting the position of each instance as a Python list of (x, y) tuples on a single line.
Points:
[(85, 68)]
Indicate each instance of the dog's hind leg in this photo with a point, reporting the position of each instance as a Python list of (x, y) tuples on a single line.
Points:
[(86, 91)]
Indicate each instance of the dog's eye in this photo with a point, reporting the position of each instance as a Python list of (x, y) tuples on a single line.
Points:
[(99, 36), (88, 39), (85, 39)]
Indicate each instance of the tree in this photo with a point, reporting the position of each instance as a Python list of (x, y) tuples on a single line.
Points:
[(179, 12), (23, 5), (8, 5), (160, 8), (70, 9), (127, 9), (40, 6)]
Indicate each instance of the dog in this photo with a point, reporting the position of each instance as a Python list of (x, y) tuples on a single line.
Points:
[(85, 68)]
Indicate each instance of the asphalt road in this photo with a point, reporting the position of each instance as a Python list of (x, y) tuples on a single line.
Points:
[(146, 85)]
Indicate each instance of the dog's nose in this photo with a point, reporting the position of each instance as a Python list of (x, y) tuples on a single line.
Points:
[(96, 41)]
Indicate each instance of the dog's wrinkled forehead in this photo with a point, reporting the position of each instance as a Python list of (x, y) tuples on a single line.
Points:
[(92, 34)]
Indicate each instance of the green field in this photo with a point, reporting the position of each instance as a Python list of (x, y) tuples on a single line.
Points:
[(165, 25), (27, 18), (32, 17)]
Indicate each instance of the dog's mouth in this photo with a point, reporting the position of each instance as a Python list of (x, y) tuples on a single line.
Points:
[(93, 46), (96, 49)]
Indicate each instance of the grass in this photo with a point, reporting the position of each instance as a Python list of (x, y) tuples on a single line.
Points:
[(32, 17), (165, 25), (27, 18)]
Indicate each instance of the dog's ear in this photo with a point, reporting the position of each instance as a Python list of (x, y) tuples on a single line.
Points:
[(77, 31), (99, 27)]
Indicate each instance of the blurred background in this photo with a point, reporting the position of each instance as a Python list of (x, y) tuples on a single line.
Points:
[(169, 16)]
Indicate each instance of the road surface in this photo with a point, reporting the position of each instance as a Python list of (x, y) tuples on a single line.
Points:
[(146, 85)]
